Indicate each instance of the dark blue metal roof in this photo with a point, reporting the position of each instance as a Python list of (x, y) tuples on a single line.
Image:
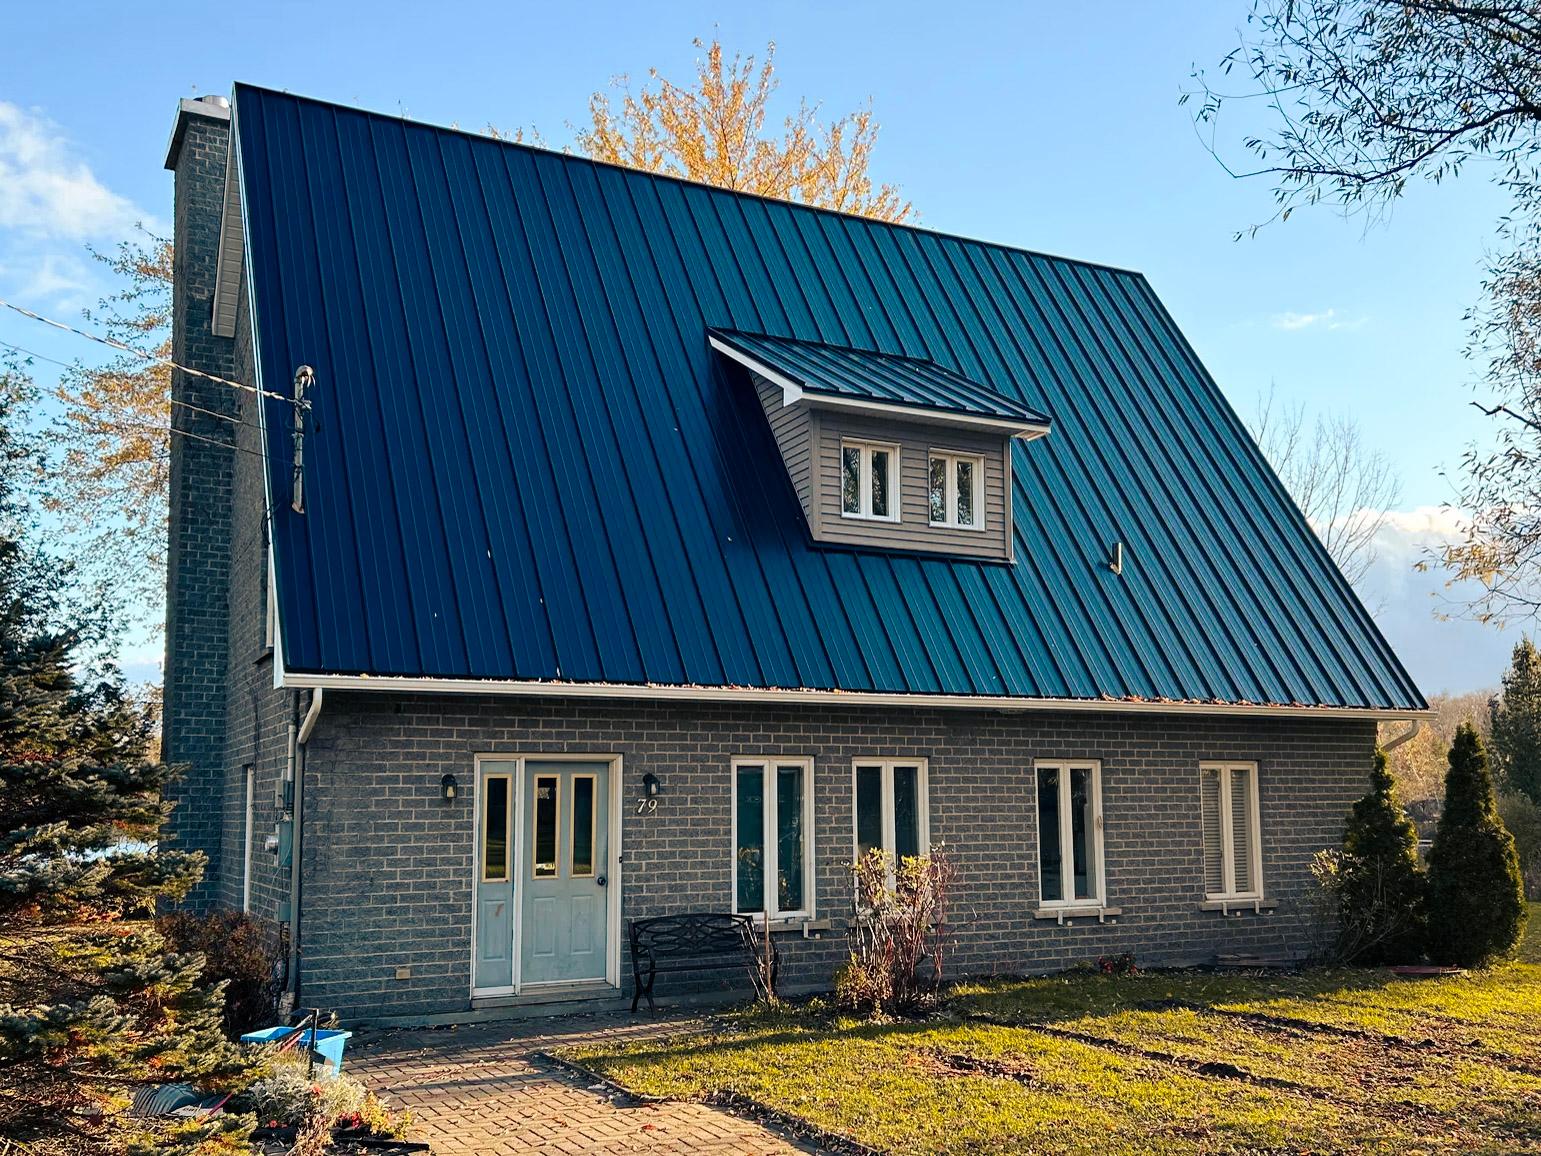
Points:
[(911, 382), (527, 462)]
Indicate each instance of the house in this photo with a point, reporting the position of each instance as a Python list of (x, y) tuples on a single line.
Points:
[(554, 544)]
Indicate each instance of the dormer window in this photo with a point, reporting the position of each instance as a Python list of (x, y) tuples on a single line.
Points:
[(957, 490), (869, 480)]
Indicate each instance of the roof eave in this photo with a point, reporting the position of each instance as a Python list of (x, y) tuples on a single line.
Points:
[(780, 695)]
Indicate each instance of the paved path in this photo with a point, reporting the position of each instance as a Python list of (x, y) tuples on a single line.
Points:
[(476, 1090)]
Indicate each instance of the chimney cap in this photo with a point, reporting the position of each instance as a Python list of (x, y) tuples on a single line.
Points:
[(211, 107)]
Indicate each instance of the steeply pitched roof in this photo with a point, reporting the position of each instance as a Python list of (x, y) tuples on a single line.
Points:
[(857, 374), (528, 463)]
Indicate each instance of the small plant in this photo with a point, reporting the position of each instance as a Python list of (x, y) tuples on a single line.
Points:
[(1476, 900), (288, 1096), (237, 948), (900, 921), (1121, 964)]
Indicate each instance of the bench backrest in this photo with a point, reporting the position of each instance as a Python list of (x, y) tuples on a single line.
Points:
[(689, 936)]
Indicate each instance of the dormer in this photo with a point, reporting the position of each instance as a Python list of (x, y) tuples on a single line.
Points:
[(888, 452)]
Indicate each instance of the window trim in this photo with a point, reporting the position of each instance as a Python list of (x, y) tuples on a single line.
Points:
[(886, 801), (1068, 900), (1228, 835), (950, 489), (572, 842), (770, 868), (864, 480)]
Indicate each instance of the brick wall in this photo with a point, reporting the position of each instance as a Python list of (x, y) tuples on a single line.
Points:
[(388, 862), (198, 546)]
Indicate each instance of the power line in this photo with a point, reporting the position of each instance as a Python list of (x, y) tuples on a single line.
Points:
[(113, 343)]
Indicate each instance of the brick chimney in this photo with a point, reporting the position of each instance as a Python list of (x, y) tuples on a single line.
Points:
[(198, 548)]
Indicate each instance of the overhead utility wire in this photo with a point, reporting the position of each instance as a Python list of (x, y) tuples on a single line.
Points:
[(139, 353)]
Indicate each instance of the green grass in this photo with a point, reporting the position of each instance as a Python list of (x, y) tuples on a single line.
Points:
[(1089, 1063)]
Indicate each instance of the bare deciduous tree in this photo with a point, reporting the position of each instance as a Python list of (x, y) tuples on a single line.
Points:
[(1344, 488)]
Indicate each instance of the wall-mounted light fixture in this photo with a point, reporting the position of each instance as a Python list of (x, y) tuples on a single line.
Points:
[(650, 785), (448, 787)]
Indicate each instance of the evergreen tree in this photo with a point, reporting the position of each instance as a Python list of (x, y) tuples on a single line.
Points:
[(1516, 718), (1476, 901), (92, 1004), (1380, 885)]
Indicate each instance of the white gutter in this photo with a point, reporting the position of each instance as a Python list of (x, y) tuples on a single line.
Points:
[(311, 716), (1414, 726), (613, 690)]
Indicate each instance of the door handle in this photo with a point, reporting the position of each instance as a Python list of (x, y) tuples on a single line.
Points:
[(601, 880)]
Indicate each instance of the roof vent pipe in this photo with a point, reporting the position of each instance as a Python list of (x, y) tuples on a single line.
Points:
[(216, 101)]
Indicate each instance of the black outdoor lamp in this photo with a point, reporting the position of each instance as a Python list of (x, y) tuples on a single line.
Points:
[(448, 787), (650, 785)]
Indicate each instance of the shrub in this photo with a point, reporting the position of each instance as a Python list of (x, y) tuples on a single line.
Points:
[(1121, 964), (287, 1096), (239, 949), (900, 920), (1378, 885), (1522, 818), (1476, 906)]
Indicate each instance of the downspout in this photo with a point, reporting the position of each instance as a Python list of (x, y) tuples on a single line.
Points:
[(298, 738), (1397, 740)]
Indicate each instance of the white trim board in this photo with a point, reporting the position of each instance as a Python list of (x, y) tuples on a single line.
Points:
[(780, 695)]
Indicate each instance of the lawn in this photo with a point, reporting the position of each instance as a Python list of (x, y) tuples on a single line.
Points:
[(1319, 1061)]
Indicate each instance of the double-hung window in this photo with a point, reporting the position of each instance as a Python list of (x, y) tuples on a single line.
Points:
[(773, 837), (1070, 833), (957, 491), (891, 807), (869, 480), (1233, 855)]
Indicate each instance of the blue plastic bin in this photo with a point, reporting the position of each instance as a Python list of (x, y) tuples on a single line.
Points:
[(328, 1044)]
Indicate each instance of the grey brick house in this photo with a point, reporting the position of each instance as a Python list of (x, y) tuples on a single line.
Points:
[(638, 547)]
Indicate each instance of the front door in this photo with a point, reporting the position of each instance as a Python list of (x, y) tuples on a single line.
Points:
[(564, 858)]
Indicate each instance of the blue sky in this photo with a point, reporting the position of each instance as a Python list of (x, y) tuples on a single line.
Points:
[(1051, 126)]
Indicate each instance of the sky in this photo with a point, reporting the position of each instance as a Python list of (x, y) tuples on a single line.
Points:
[(1049, 126)]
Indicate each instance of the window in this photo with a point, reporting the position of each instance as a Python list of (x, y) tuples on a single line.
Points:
[(773, 836), (582, 841), (890, 804), (1070, 834), (869, 481), (495, 814), (1233, 856), (547, 808), (957, 491)]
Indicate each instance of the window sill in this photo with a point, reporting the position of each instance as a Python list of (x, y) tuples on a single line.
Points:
[(803, 923), (1238, 906), (1068, 914)]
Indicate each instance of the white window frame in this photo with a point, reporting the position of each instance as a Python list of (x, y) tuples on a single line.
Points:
[(770, 868), (864, 480), (950, 489), (1099, 896), (922, 787), (1228, 834)]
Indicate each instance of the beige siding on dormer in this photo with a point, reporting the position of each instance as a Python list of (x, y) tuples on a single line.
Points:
[(913, 531), (792, 428)]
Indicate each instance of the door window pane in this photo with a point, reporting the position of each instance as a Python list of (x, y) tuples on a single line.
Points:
[(750, 851), (1081, 830), (546, 803), (906, 812), (583, 825), (789, 838), (939, 489), (495, 829), (965, 492), (880, 479), (869, 809), (850, 479), (1049, 874)]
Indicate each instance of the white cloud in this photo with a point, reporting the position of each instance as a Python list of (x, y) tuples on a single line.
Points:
[(1330, 319), (48, 192), (1407, 591)]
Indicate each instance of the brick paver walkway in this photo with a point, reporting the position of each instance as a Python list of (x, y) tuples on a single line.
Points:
[(477, 1090)]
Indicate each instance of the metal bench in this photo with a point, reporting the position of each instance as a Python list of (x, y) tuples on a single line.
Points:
[(705, 941)]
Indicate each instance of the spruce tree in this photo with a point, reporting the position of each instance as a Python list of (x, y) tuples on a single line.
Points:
[(1516, 719), (1381, 885), (92, 1004), (1476, 900)]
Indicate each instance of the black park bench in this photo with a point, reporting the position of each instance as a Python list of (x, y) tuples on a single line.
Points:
[(705, 941)]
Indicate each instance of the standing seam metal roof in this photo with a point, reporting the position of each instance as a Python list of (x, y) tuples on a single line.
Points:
[(528, 464)]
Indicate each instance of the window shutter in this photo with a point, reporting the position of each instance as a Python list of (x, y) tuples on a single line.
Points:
[(1241, 829), (1209, 807)]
